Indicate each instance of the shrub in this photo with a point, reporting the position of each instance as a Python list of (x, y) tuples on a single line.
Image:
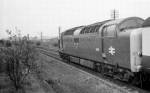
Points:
[(2, 42), (8, 43), (20, 57)]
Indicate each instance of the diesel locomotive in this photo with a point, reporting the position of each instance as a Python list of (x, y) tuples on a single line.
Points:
[(120, 48)]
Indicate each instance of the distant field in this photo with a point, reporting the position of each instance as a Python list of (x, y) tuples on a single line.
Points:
[(50, 43)]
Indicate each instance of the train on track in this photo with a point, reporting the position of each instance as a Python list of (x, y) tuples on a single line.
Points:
[(119, 48)]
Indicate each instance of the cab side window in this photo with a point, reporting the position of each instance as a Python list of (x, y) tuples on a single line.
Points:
[(109, 31)]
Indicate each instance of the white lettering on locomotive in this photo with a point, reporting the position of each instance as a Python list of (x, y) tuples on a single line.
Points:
[(111, 50)]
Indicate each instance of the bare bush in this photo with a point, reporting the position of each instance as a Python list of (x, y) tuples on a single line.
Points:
[(20, 56)]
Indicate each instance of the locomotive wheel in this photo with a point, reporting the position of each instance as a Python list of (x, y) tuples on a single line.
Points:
[(99, 68), (141, 80), (138, 79), (68, 59), (95, 67), (102, 69)]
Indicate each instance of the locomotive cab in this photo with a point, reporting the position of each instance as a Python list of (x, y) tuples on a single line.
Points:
[(146, 45), (140, 48), (146, 49)]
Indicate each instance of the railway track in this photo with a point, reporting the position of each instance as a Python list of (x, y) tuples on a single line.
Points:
[(121, 86)]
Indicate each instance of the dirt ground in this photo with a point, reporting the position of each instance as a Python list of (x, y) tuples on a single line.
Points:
[(31, 86), (66, 79), (5, 84)]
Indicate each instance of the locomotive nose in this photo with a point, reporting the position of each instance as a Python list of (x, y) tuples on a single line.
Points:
[(146, 49)]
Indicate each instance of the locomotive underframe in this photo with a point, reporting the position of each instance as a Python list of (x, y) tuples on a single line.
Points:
[(114, 71)]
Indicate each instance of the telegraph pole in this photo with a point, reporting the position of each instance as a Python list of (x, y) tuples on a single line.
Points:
[(114, 14), (28, 36), (59, 37), (41, 36), (59, 28)]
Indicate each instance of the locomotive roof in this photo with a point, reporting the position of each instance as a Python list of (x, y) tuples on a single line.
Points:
[(119, 21), (93, 28), (99, 23), (75, 31), (71, 31), (146, 22), (124, 23)]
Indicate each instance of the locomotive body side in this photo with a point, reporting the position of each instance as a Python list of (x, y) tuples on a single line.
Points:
[(117, 49), (70, 43), (84, 46), (111, 45), (117, 46), (90, 47)]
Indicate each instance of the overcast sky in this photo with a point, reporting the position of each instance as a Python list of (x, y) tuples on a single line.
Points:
[(35, 16)]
